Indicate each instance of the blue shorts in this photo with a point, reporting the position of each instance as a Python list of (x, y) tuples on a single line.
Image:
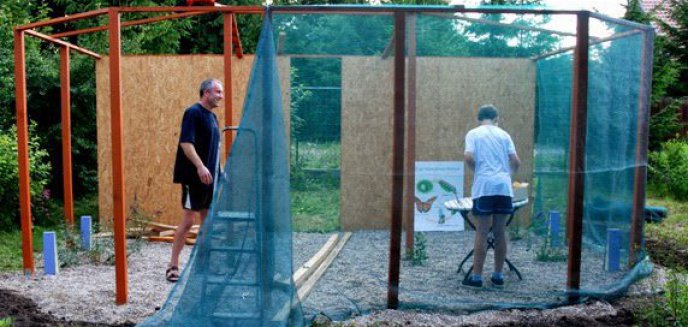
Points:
[(493, 204)]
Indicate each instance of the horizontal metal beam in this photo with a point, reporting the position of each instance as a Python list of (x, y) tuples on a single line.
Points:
[(393, 9), (130, 23), (618, 21), (598, 41), (64, 19), (62, 43), (232, 9)]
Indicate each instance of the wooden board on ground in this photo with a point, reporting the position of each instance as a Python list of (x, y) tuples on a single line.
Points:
[(309, 284), (307, 269)]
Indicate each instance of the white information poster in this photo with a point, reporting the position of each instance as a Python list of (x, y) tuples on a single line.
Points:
[(436, 183)]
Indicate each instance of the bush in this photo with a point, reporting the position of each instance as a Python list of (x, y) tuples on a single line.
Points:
[(668, 170), (9, 182)]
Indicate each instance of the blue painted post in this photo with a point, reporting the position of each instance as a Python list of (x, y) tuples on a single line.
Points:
[(613, 255), (86, 232), (50, 253), (554, 228)]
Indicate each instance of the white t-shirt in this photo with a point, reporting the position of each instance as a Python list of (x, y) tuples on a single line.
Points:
[(491, 147)]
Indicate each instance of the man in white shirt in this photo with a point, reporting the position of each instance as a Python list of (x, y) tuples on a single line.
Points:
[(491, 154)]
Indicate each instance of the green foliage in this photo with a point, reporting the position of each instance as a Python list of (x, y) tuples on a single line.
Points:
[(547, 253), (665, 125), (315, 187), (676, 33), (668, 170), (671, 309), (665, 67), (6, 322), (419, 255), (9, 170)]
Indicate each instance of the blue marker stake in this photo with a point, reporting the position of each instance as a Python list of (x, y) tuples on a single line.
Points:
[(50, 253), (612, 258), (86, 232), (554, 228)]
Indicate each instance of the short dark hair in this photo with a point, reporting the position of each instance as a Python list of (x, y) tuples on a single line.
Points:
[(207, 85), (487, 111)]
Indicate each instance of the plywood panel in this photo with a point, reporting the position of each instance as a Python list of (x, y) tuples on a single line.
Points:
[(449, 93), (156, 91)]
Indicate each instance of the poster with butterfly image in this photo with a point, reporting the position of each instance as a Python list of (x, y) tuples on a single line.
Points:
[(436, 183)]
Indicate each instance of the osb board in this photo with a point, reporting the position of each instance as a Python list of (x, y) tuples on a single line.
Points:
[(155, 92), (366, 142), (449, 93)]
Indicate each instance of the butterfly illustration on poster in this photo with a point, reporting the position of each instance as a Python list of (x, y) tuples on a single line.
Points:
[(437, 182)]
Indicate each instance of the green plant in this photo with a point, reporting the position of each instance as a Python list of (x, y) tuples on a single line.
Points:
[(419, 255), (9, 172), (6, 322), (668, 170), (670, 309), (549, 254)]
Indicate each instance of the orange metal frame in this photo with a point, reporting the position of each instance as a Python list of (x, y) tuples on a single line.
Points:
[(114, 27)]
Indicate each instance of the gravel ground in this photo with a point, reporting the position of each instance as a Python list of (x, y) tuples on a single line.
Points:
[(87, 292), (355, 284)]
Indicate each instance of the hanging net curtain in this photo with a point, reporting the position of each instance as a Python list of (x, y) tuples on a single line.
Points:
[(240, 271)]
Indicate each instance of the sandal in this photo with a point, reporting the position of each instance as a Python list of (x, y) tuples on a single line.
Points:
[(172, 274)]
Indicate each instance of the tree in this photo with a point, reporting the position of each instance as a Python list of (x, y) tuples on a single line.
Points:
[(676, 45)]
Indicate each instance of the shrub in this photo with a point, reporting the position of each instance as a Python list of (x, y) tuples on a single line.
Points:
[(9, 183), (671, 309), (668, 170)]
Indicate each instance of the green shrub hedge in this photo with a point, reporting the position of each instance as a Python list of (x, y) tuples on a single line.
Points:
[(9, 183), (668, 170)]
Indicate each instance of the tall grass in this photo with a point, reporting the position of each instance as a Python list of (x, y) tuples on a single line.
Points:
[(315, 198)]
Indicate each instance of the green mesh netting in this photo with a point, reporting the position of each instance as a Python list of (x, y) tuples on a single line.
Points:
[(338, 99), (240, 271)]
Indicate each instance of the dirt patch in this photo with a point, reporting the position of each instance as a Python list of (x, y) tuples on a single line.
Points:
[(666, 253), (25, 312)]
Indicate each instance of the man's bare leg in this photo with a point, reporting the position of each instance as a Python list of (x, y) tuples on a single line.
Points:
[(499, 231), (180, 235), (482, 228)]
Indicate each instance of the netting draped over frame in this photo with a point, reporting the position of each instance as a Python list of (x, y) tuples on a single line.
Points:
[(338, 72), (240, 271), (341, 113)]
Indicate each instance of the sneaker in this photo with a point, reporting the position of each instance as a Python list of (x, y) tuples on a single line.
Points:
[(497, 282), (470, 282)]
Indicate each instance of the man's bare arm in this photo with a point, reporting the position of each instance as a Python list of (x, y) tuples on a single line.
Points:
[(202, 170), (515, 162), (470, 159)]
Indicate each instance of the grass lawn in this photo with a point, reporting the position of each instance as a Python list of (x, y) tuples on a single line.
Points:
[(667, 242)]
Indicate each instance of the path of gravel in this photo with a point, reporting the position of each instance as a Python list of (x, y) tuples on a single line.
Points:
[(87, 292), (355, 283)]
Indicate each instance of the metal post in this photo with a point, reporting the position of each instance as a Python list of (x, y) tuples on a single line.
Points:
[(579, 114), (23, 151), (397, 160), (410, 177), (640, 175), (227, 29), (65, 104), (117, 131)]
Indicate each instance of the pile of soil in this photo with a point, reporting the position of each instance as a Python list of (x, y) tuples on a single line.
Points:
[(24, 312)]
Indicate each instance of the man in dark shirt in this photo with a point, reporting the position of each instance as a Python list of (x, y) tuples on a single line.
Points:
[(196, 164)]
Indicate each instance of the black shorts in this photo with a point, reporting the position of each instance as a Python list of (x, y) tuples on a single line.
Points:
[(493, 204), (196, 197)]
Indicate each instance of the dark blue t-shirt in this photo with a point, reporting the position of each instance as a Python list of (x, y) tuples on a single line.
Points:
[(200, 127)]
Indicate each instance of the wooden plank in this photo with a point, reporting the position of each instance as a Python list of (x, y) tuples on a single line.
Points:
[(307, 269), (308, 286), (167, 239)]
